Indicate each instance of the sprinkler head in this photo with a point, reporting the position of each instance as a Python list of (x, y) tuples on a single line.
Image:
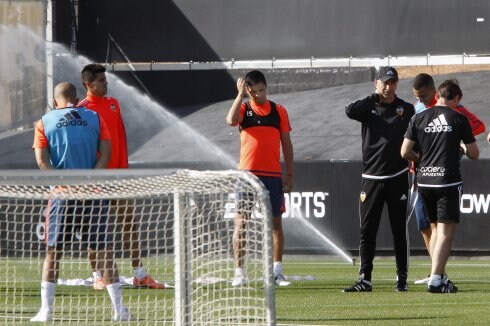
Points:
[(353, 262)]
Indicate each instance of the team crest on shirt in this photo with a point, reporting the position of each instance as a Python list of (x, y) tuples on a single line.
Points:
[(400, 110), (113, 107), (362, 196)]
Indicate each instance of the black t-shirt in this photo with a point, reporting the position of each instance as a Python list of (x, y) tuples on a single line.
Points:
[(438, 132), (383, 127)]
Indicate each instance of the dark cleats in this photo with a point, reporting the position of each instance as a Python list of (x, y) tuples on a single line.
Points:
[(401, 284), (449, 287), (359, 286)]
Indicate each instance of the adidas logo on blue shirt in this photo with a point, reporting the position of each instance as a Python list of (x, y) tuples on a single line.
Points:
[(72, 118)]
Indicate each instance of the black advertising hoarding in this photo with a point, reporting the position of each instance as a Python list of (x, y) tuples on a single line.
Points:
[(340, 223), (321, 211)]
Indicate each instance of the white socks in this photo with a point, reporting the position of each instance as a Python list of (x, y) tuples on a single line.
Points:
[(277, 268), (97, 275), (435, 280), (47, 296), (240, 271), (47, 300), (115, 292)]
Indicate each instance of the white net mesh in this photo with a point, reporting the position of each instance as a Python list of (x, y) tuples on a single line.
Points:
[(184, 224)]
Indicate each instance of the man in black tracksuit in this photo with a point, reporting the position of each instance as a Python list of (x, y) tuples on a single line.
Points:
[(384, 119)]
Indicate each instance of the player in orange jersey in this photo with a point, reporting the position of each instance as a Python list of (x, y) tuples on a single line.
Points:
[(264, 129), (95, 82)]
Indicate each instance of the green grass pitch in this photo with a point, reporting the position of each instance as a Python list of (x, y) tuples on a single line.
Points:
[(321, 302), (312, 302)]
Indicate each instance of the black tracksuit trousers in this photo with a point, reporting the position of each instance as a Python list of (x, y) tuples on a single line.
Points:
[(374, 194)]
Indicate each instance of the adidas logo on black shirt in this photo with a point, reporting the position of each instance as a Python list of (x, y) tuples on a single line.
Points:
[(72, 118), (439, 124)]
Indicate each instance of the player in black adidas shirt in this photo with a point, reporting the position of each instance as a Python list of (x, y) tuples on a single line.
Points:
[(384, 118), (439, 132)]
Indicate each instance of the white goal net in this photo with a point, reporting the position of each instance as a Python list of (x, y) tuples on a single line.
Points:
[(184, 222)]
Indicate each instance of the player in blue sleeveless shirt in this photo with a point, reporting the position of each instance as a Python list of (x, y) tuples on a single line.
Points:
[(74, 138)]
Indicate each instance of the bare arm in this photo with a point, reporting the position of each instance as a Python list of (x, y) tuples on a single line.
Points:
[(488, 137), (105, 154), (288, 154), (42, 158), (233, 117), (472, 151), (407, 150)]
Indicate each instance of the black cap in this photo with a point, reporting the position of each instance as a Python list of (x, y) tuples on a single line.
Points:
[(386, 73)]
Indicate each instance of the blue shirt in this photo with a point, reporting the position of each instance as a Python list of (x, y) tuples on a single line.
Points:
[(73, 137), (419, 107)]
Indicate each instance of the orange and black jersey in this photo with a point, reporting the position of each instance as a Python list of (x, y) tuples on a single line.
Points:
[(383, 128), (260, 137), (108, 108), (251, 119)]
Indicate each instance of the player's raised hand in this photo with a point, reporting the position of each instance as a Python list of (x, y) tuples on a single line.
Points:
[(241, 86)]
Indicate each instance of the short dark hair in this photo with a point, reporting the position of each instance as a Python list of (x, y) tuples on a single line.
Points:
[(90, 71), (449, 89), (255, 77), (423, 80)]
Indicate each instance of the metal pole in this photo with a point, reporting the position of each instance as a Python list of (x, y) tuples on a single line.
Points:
[(183, 273), (74, 26), (49, 55)]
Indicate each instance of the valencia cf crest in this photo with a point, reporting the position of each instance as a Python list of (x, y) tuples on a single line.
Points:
[(363, 196), (113, 107), (400, 110)]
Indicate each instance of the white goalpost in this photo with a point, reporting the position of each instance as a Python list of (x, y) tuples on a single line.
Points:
[(184, 220)]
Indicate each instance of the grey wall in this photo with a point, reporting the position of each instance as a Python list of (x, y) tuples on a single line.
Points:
[(303, 28), (203, 30)]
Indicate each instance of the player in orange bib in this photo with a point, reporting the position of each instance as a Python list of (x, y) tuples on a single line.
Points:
[(95, 82), (264, 129)]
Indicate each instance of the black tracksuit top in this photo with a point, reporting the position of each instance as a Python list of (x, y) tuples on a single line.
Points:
[(383, 129)]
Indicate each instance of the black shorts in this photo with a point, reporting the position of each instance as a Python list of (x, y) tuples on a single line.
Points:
[(442, 204), (246, 201)]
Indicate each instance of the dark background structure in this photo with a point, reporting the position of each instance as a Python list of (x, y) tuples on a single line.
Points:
[(327, 144), (216, 30)]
